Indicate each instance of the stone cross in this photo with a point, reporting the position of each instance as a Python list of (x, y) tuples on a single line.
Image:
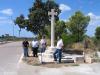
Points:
[(52, 13)]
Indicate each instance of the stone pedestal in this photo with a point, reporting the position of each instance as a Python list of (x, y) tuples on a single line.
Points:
[(47, 56), (88, 59), (98, 54)]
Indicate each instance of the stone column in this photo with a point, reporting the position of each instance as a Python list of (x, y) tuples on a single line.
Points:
[(52, 13)]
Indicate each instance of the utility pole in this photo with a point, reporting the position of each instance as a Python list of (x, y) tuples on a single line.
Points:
[(13, 27), (19, 31)]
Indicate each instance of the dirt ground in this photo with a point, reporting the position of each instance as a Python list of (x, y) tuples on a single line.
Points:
[(35, 62)]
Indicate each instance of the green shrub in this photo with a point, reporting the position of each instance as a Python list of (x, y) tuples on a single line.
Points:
[(67, 39)]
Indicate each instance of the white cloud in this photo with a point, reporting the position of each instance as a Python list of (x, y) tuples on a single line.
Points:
[(94, 23), (94, 19), (5, 20), (8, 12), (26, 17), (91, 14), (64, 7)]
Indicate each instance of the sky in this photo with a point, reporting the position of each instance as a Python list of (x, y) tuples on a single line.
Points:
[(10, 9)]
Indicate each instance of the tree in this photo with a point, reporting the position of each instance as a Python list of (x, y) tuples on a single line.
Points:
[(20, 22), (38, 16), (97, 36), (60, 28), (77, 25), (97, 33)]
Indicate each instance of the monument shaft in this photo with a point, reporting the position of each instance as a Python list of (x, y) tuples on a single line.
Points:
[(52, 13), (52, 31)]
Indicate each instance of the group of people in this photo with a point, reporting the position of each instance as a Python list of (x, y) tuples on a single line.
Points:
[(42, 43), (35, 46)]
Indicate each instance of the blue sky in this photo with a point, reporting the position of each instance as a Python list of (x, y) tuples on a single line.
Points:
[(10, 9)]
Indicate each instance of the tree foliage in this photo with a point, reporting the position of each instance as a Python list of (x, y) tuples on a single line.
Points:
[(20, 21), (77, 25), (97, 33), (60, 28), (38, 16)]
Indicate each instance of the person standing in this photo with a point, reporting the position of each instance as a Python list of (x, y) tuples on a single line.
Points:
[(35, 46), (58, 53), (43, 44), (25, 44)]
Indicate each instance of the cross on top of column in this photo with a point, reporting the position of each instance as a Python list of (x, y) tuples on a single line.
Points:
[(52, 13)]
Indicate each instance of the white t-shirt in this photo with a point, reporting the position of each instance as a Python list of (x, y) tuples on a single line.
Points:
[(59, 44), (35, 43), (43, 43)]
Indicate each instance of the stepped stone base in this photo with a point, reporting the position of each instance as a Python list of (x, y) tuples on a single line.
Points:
[(47, 56)]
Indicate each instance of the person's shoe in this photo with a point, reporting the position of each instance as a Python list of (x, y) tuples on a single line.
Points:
[(28, 56), (58, 62), (55, 60)]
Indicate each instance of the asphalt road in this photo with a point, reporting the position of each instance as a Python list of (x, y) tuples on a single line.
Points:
[(10, 54)]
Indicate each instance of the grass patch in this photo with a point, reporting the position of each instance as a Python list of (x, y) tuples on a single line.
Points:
[(36, 64), (71, 64), (75, 65)]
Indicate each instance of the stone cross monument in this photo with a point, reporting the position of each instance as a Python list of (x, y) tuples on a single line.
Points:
[(52, 13), (47, 56)]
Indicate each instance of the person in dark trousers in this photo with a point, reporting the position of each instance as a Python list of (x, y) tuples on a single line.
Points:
[(58, 53), (25, 44), (35, 46)]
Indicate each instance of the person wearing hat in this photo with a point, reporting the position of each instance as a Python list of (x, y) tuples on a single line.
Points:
[(35, 46)]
